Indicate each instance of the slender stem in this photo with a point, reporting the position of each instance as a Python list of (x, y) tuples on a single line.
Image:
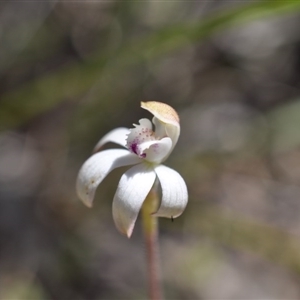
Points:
[(150, 226)]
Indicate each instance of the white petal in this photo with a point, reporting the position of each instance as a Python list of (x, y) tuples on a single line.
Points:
[(117, 136), (174, 192), (133, 189), (95, 169), (156, 151)]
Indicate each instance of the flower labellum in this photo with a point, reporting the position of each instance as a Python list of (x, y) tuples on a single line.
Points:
[(146, 149)]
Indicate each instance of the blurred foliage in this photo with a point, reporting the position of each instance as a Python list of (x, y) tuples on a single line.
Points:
[(247, 235), (72, 71), (21, 104)]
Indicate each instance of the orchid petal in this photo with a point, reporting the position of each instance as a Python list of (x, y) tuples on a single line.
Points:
[(174, 192), (133, 189), (117, 136), (96, 168), (156, 151)]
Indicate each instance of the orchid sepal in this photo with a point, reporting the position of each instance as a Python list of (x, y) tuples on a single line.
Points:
[(117, 136), (132, 190), (97, 167), (174, 193)]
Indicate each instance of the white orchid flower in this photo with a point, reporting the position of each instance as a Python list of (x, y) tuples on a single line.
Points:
[(146, 149)]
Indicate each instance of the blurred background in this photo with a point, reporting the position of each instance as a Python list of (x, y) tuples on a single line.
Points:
[(73, 70)]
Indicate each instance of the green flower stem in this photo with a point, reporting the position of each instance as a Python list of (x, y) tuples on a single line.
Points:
[(150, 226)]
